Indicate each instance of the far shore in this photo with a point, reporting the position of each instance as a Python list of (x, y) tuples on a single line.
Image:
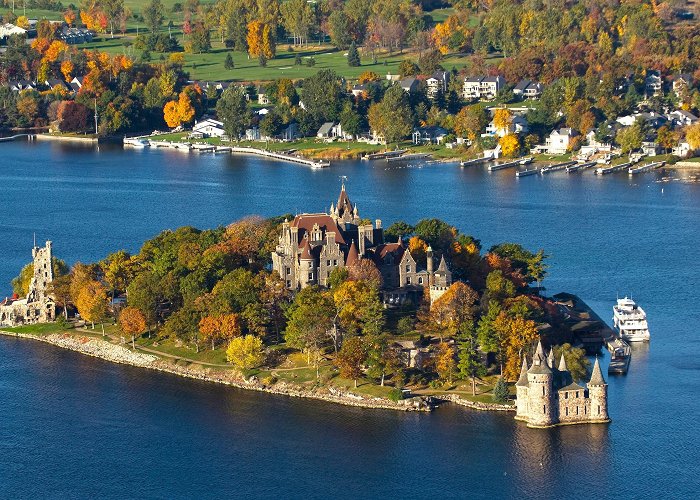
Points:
[(108, 351)]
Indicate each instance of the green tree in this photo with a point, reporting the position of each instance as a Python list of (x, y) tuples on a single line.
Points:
[(392, 117), (382, 359), (350, 120), (353, 55), (340, 29), (323, 95), (630, 138), (144, 293), (309, 319), (232, 109), (470, 364), (228, 64), (576, 360), (500, 391), (399, 229), (436, 233), (350, 358), (154, 15), (488, 335)]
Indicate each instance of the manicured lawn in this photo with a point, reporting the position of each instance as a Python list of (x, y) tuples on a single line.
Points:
[(40, 329), (174, 348)]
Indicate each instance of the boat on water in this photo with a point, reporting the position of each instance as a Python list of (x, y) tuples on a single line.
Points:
[(137, 142), (630, 320)]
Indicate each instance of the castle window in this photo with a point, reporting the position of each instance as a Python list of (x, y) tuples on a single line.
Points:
[(566, 395), (328, 262), (544, 409), (335, 262), (577, 410), (576, 393), (408, 269), (408, 280), (311, 276), (567, 411), (598, 409), (543, 390), (289, 271), (289, 283), (584, 410), (420, 280)]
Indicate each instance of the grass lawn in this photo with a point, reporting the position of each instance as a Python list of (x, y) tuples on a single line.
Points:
[(173, 348), (40, 329)]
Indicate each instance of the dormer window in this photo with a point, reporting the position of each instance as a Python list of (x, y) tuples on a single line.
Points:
[(408, 269)]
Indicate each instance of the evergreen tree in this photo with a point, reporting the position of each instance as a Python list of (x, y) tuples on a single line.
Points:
[(500, 391), (353, 56), (297, 60), (470, 365), (229, 62)]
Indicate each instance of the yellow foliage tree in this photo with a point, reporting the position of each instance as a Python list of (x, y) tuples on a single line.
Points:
[(443, 32), (692, 136), (67, 70), (445, 363), (92, 302), (132, 322), (22, 22), (510, 145), (369, 76), (245, 353), (502, 119), (516, 334), (268, 43), (178, 112), (417, 247), (255, 38), (56, 48)]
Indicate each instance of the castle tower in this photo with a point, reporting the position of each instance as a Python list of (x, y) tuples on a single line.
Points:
[(598, 394), (521, 389), (565, 377), (307, 273), (429, 264), (541, 410), (43, 272)]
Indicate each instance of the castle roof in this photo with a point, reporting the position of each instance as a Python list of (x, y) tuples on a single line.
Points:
[(305, 253), (353, 256), (562, 364), (550, 358), (539, 362), (573, 386), (383, 250), (522, 381), (597, 376), (442, 268), (343, 201), (306, 222)]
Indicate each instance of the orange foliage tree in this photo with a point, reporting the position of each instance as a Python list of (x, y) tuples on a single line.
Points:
[(92, 302), (178, 112), (132, 322)]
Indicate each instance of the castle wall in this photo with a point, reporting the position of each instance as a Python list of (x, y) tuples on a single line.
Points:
[(574, 406), (541, 411)]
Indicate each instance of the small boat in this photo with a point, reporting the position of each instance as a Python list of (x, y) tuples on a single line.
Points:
[(630, 320), (137, 143), (526, 161)]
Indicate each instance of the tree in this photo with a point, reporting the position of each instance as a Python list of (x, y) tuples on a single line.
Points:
[(399, 229), (232, 109), (323, 95), (692, 136), (245, 353), (630, 138), (92, 302), (382, 359), (297, 17), (353, 56), (510, 145), (471, 121), (358, 308), (340, 29), (72, 116), (179, 112), (392, 117), (145, 293), (445, 362), (114, 10), (154, 15), (228, 64), (309, 319), (453, 311), (200, 40), (666, 138), (350, 358), (132, 322), (576, 360), (470, 364), (500, 391), (502, 118)]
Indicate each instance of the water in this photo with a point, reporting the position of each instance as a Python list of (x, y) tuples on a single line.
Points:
[(79, 427)]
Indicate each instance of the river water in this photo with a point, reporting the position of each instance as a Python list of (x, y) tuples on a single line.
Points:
[(72, 426)]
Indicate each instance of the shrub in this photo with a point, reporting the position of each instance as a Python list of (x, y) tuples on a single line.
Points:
[(395, 394), (500, 391)]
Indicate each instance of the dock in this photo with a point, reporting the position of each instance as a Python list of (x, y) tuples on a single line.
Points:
[(282, 156), (614, 168), (504, 165), (645, 168), (527, 172), (475, 161), (556, 167), (580, 166), (384, 155), (593, 333), (408, 157)]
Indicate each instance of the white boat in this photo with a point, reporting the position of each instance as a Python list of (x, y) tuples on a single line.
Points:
[(136, 142), (630, 320)]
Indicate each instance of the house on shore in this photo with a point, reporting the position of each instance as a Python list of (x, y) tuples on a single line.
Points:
[(208, 127), (527, 89), (437, 84), (558, 143)]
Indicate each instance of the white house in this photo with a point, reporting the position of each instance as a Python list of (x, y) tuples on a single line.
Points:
[(432, 135), (325, 131), (490, 86), (517, 125), (683, 150), (209, 128), (653, 84), (358, 89), (9, 29), (682, 82), (437, 83), (558, 142), (471, 87), (682, 117)]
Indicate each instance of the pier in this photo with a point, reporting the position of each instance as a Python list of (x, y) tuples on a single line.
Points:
[(282, 156), (408, 157), (580, 166), (645, 168), (556, 167), (527, 172), (614, 168), (504, 165), (384, 155), (475, 161)]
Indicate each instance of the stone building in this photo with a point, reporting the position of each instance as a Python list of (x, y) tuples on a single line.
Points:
[(547, 395), (311, 246), (37, 306)]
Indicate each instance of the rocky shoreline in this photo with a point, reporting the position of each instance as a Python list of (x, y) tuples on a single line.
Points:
[(118, 354)]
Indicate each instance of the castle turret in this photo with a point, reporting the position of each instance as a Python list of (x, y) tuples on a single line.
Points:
[(550, 359), (541, 410), (521, 389), (565, 377), (353, 256), (429, 263), (598, 394)]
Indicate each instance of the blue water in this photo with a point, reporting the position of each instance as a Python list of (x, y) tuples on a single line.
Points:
[(77, 427)]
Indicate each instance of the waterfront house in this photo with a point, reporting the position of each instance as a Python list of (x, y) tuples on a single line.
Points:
[(208, 127), (431, 135), (437, 83), (517, 125), (527, 89), (325, 131), (650, 147), (490, 86), (558, 142), (682, 150), (252, 134), (471, 88), (409, 85)]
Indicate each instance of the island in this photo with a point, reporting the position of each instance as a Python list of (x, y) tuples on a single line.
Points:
[(327, 305)]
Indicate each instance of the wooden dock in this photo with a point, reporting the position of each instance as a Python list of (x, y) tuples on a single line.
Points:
[(282, 156), (475, 161), (527, 172), (580, 166), (614, 168), (408, 157), (384, 155), (504, 165)]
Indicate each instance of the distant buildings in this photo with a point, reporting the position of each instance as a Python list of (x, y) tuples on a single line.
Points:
[(482, 87), (437, 84), (558, 142), (527, 89)]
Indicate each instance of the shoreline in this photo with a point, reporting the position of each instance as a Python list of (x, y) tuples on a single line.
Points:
[(107, 351)]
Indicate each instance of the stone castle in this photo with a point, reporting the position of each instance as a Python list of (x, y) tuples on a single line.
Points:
[(312, 245), (37, 306), (547, 395)]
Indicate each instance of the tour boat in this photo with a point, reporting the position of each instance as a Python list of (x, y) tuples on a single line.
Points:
[(630, 320)]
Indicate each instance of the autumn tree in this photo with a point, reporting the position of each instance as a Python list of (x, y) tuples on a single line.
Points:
[(502, 118), (392, 118), (692, 136), (72, 116), (350, 358), (246, 353), (630, 138), (358, 308), (132, 322), (179, 112), (445, 363), (471, 121), (154, 15), (92, 302), (510, 145), (309, 319)]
